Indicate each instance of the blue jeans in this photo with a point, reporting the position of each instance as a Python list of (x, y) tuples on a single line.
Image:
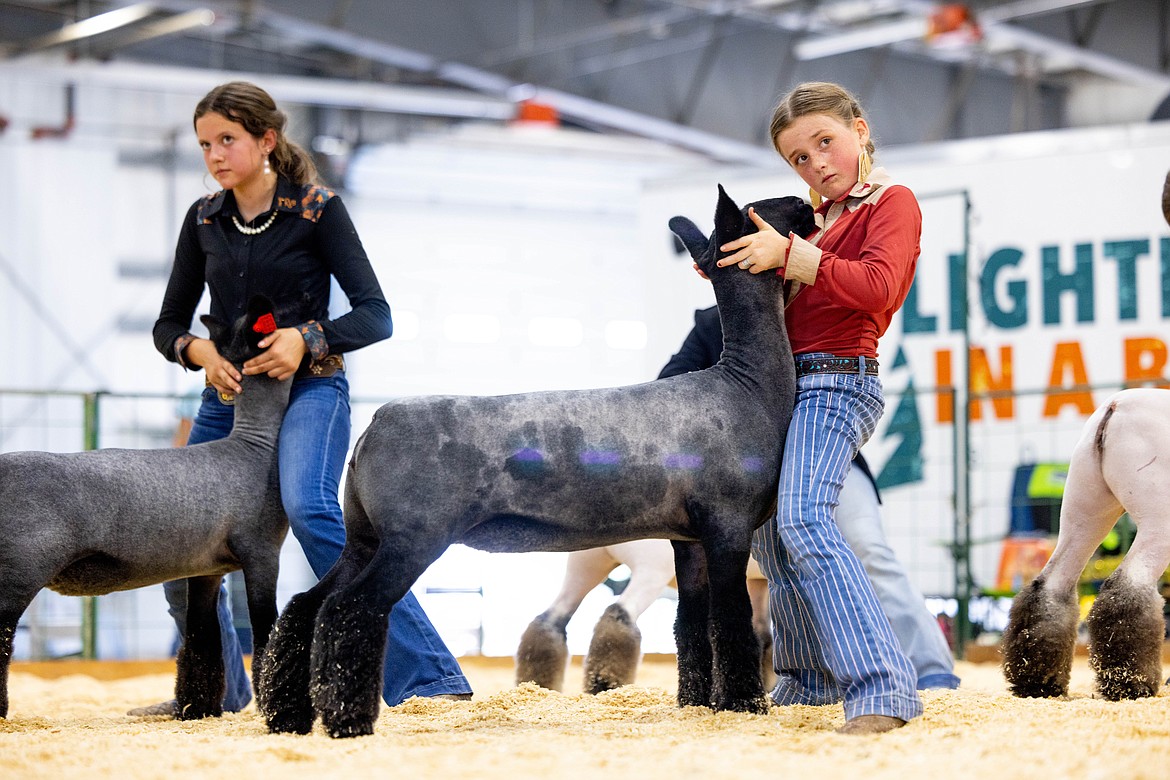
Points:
[(832, 642), (918, 633), (314, 439)]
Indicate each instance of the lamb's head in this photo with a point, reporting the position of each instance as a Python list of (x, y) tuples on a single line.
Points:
[(238, 342), (787, 214)]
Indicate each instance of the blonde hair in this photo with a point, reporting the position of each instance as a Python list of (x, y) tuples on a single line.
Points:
[(256, 111), (816, 97)]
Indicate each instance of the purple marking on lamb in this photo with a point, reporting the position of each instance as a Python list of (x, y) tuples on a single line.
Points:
[(681, 460), (752, 464), (600, 458)]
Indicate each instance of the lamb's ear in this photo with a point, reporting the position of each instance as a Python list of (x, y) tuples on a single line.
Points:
[(729, 220), (218, 330), (259, 321), (692, 238)]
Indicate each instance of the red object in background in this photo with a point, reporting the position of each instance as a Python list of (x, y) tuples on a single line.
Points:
[(531, 111), (61, 131), (951, 18)]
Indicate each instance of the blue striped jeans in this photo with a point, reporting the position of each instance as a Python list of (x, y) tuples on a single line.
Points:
[(832, 641)]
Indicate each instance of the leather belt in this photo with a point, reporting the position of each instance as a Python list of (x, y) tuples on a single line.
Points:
[(326, 366), (835, 365)]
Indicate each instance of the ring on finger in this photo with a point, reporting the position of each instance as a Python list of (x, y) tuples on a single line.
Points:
[(745, 264)]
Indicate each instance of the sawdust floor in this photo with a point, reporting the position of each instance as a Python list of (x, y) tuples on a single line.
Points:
[(73, 727)]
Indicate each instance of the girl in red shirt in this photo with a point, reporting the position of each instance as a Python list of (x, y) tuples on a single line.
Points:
[(832, 640)]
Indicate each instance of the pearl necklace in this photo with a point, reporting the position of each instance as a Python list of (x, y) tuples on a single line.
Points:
[(252, 231)]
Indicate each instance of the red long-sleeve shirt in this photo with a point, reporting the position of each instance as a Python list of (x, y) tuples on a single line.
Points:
[(856, 271)]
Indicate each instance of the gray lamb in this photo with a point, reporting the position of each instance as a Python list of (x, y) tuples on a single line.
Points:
[(693, 458), (89, 523)]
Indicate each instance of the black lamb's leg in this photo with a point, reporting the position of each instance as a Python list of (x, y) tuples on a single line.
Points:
[(736, 648), (199, 684), (691, 630), (260, 583), (349, 648), (8, 620), (282, 687)]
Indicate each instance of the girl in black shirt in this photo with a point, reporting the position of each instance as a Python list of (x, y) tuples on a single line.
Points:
[(272, 230)]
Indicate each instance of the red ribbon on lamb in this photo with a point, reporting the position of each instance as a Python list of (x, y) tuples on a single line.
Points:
[(265, 325)]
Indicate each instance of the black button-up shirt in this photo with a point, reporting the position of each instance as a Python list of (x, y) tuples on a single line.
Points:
[(311, 239)]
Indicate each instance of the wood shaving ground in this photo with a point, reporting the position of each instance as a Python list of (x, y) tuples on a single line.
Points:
[(73, 726)]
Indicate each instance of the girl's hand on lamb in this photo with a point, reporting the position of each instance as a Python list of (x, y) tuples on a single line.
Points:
[(222, 375), (757, 252), (284, 349)]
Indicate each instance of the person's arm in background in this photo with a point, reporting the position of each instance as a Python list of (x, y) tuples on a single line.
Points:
[(701, 348)]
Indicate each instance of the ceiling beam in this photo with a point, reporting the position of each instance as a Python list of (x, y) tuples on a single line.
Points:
[(336, 93), (587, 112)]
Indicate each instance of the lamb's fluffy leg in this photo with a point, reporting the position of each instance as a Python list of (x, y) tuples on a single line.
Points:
[(1039, 640), (1040, 637), (199, 684), (1126, 629), (349, 649), (543, 652), (736, 651), (614, 651), (282, 689), (616, 647), (691, 629)]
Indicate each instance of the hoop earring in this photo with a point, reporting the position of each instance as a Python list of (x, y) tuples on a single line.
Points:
[(864, 166), (814, 198)]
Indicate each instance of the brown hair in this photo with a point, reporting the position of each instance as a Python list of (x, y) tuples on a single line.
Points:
[(816, 97), (256, 111)]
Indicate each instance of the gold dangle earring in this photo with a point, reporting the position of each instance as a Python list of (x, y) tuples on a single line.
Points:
[(814, 198), (864, 166)]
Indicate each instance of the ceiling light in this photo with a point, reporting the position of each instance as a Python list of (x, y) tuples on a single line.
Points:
[(942, 24)]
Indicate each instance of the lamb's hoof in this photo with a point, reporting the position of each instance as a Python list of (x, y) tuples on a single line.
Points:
[(164, 709), (194, 711), (171, 709), (542, 655), (1039, 640), (341, 727), (754, 705), (614, 651), (1126, 631), (289, 722), (871, 724)]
